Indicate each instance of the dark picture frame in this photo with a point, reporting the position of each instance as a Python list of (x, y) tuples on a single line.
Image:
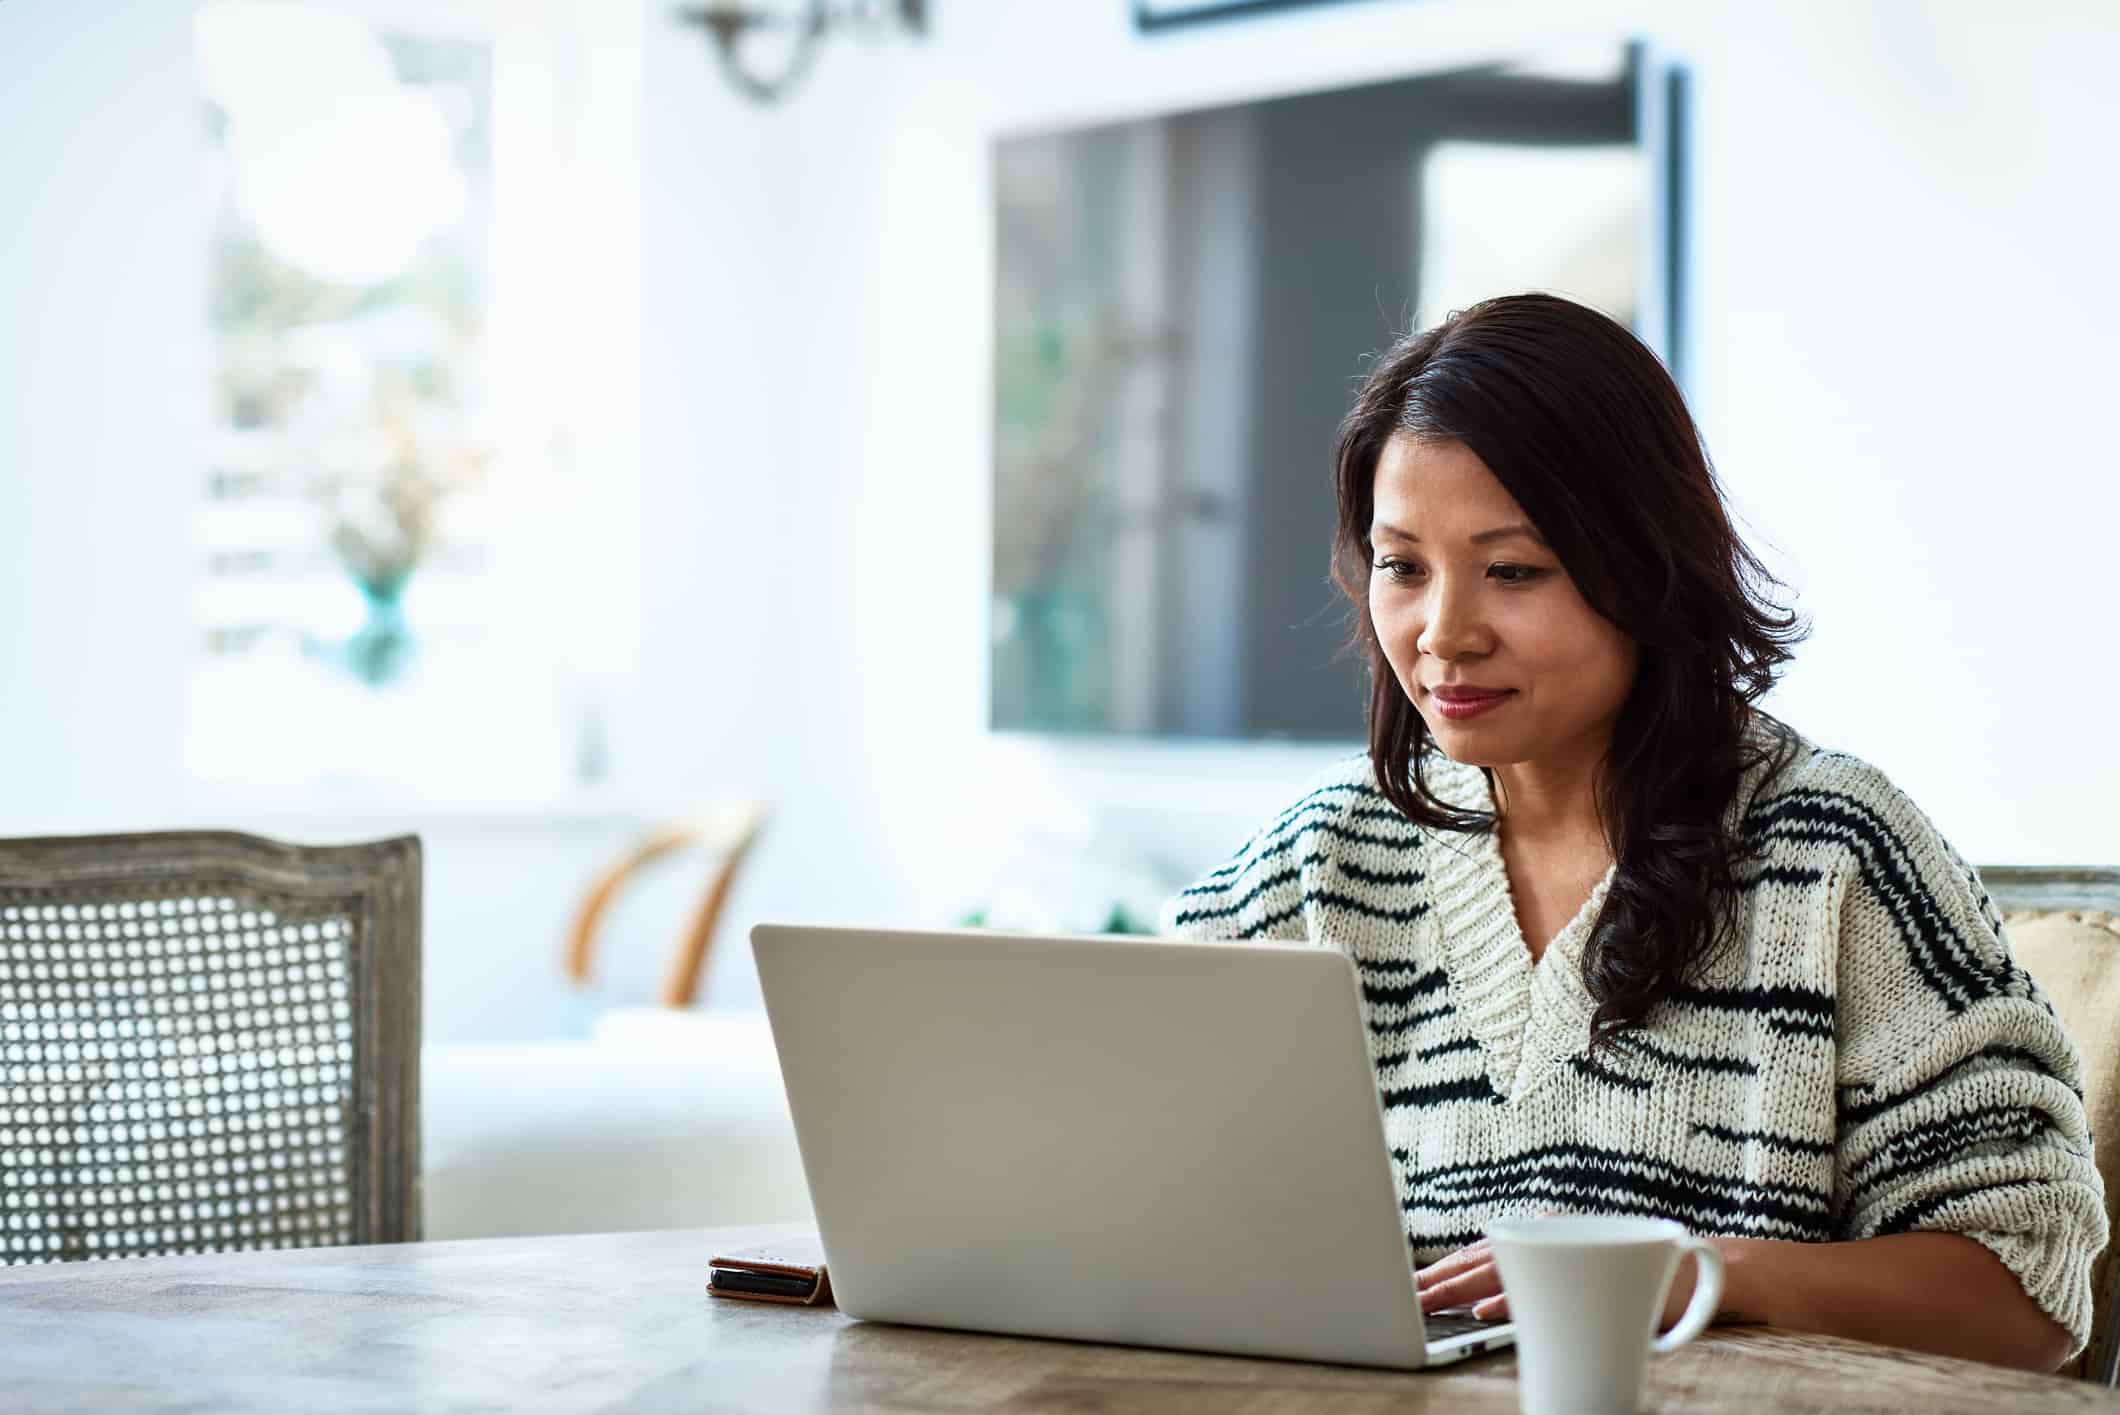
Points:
[(1153, 15)]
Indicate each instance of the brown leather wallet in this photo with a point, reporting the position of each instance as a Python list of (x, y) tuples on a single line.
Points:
[(791, 1270)]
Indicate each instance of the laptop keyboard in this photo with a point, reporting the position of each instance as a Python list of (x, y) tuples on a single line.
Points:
[(1442, 1324)]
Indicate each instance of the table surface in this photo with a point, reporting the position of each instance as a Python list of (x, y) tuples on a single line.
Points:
[(622, 1322)]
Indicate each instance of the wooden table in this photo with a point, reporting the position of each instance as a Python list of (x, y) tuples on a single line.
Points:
[(623, 1322)]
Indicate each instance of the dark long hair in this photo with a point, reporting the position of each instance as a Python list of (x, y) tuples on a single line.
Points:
[(1587, 431)]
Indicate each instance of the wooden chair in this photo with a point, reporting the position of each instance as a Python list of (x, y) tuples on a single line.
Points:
[(726, 831), (2064, 928), (208, 1041)]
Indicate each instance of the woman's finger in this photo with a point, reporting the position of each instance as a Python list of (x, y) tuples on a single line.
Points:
[(1461, 1289), (1463, 1260)]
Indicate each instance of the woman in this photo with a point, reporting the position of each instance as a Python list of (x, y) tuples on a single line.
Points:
[(1628, 945)]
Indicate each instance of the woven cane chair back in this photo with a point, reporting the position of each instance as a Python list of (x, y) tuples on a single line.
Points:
[(208, 1042)]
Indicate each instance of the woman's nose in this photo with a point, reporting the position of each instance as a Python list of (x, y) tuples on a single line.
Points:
[(1453, 629)]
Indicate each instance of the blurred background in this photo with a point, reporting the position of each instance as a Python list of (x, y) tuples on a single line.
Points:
[(528, 423)]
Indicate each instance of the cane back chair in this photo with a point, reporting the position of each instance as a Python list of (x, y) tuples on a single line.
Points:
[(208, 1042), (2063, 925)]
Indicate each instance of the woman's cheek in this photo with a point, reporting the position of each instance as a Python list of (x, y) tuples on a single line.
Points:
[(1398, 631)]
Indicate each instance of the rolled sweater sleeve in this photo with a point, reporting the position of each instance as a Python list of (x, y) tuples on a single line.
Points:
[(1960, 1094)]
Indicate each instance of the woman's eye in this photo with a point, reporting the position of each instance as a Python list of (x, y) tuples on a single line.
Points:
[(1398, 569), (1516, 574)]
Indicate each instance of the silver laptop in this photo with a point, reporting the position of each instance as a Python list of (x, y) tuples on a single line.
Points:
[(1155, 1143)]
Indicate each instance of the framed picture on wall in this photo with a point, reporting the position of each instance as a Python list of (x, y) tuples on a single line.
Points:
[(1178, 299), (1168, 14)]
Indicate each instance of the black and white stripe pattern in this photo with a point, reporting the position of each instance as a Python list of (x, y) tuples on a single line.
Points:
[(1870, 1061)]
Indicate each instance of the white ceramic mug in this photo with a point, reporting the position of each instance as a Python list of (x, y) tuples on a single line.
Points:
[(1585, 1294)]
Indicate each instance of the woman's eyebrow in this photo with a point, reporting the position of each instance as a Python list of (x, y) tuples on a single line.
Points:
[(1385, 530)]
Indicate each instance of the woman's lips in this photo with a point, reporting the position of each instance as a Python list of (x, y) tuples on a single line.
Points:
[(1459, 706)]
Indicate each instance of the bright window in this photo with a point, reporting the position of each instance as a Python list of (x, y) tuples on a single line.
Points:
[(403, 561)]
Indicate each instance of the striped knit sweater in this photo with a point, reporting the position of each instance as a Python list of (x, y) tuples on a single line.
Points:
[(1869, 1061)]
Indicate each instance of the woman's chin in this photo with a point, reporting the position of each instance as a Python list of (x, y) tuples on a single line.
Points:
[(1470, 742)]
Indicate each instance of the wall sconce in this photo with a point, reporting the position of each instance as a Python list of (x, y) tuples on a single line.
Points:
[(796, 27)]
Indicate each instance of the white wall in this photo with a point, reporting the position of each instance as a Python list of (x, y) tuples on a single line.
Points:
[(1907, 313), (102, 378), (1910, 318)]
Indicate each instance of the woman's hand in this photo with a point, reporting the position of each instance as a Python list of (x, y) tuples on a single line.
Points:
[(1469, 1277), (1466, 1278)]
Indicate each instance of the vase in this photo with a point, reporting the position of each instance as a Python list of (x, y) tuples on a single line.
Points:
[(379, 651)]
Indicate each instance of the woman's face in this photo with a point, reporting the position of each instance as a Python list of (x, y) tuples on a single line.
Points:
[(1483, 628)]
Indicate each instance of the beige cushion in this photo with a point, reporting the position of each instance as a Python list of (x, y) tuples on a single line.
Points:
[(2075, 959), (662, 1119)]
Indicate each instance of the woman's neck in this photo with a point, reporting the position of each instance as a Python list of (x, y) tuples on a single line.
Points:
[(1549, 802)]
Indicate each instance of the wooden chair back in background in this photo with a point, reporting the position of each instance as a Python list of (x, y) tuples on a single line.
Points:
[(725, 830)]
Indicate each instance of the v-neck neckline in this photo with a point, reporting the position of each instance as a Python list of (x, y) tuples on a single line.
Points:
[(1524, 1013)]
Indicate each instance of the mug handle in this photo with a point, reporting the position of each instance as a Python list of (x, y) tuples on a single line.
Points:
[(1707, 1292)]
